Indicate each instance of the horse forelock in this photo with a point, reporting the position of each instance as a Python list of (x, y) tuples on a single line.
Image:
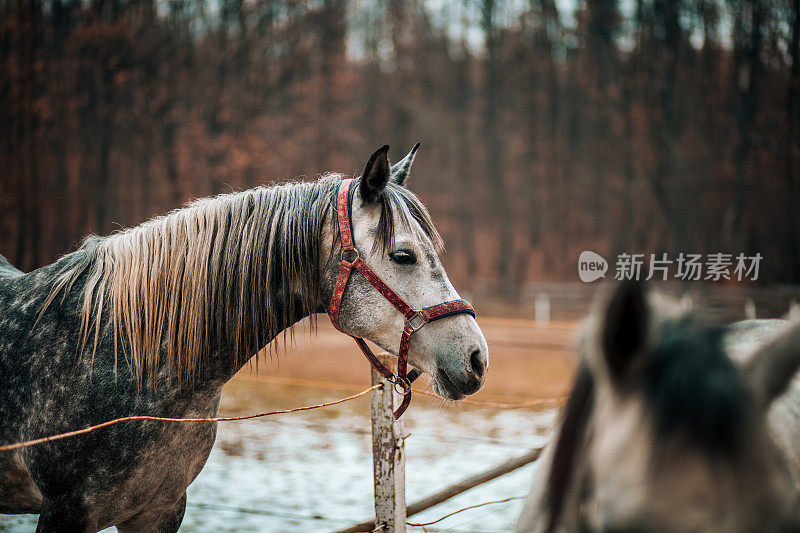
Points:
[(692, 387), (399, 205), (230, 270)]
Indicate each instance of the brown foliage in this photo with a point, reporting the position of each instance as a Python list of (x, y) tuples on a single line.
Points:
[(674, 128)]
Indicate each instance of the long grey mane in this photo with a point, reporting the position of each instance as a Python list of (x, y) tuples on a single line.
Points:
[(231, 270)]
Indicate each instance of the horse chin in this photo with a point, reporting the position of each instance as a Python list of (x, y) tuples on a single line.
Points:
[(444, 387)]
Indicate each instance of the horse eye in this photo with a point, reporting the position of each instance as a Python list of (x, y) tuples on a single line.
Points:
[(403, 257)]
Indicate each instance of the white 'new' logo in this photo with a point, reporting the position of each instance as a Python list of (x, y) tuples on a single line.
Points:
[(591, 266)]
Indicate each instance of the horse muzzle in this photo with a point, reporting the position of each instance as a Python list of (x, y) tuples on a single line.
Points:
[(453, 382)]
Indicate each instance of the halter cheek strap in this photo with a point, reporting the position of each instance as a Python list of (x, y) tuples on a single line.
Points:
[(351, 259)]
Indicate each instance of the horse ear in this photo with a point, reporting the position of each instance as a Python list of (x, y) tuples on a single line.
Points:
[(770, 369), (402, 168), (375, 176), (625, 326)]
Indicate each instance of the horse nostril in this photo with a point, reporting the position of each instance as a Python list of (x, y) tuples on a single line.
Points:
[(478, 363)]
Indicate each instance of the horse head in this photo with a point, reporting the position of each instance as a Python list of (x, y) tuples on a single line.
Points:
[(392, 233), (667, 431)]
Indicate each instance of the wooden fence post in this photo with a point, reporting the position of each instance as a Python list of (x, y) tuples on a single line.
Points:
[(388, 455)]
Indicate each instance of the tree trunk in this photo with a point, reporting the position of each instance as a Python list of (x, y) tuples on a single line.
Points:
[(494, 170), (793, 151), (748, 78)]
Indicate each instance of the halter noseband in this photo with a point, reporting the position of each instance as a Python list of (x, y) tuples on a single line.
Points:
[(414, 319)]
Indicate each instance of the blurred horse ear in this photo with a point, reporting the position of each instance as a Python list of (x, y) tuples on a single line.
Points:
[(376, 175), (402, 168), (770, 369), (625, 326)]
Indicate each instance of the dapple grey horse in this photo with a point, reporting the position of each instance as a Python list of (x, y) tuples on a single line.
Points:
[(156, 319), (674, 424)]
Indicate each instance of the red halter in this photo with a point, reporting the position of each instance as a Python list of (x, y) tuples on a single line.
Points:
[(414, 319)]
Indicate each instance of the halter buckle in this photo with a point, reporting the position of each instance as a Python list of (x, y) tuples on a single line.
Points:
[(350, 252), (415, 321)]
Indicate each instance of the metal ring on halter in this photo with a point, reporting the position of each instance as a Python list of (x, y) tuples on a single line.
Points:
[(416, 321), (403, 383), (346, 250)]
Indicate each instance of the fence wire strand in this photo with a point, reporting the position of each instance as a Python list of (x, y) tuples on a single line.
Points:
[(448, 515), (500, 405), (335, 385), (75, 433)]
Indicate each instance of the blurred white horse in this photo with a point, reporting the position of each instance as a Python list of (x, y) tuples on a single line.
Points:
[(674, 424)]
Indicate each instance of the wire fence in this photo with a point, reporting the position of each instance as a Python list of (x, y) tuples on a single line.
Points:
[(328, 385), (321, 384), (318, 518)]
